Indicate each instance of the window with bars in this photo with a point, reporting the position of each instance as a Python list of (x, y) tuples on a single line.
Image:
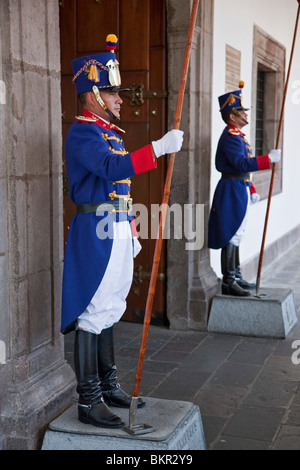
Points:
[(267, 91), (259, 130)]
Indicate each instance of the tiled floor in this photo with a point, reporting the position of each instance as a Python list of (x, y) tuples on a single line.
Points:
[(247, 388)]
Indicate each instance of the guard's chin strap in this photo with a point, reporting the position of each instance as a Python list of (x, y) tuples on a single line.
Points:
[(102, 104), (237, 113)]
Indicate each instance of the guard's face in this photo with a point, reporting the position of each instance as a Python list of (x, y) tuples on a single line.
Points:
[(239, 118), (113, 101), (244, 116)]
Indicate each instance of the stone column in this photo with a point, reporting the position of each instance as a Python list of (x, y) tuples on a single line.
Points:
[(191, 281), (36, 382)]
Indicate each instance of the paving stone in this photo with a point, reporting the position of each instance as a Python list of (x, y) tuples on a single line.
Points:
[(267, 392), (253, 351), (280, 368), (182, 383), (296, 400), (213, 426), (169, 356), (236, 375), (235, 443), (288, 439), (159, 367), (256, 422), (219, 400), (292, 417)]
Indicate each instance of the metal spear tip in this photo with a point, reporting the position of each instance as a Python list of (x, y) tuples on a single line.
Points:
[(132, 410), (136, 429), (257, 286), (257, 295)]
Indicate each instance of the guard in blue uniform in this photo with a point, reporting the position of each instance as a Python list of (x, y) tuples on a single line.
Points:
[(228, 215), (98, 265)]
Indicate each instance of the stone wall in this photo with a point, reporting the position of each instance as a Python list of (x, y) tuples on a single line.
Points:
[(191, 281), (35, 380)]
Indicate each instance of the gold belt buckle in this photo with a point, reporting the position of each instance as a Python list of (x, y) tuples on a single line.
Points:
[(127, 203)]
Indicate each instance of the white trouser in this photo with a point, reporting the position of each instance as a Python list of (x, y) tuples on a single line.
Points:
[(109, 301), (239, 235)]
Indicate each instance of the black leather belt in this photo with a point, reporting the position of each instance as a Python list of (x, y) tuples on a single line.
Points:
[(123, 204), (245, 176)]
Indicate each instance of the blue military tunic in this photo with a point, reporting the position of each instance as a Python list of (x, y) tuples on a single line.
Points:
[(233, 157), (99, 169)]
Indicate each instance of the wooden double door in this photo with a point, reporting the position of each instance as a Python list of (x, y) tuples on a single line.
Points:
[(140, 26)]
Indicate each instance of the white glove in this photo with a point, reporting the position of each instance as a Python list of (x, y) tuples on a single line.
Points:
[(171, 142), (275, 155), (255, 198)]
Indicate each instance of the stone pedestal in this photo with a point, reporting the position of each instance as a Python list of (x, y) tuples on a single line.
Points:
[(177, 426), (273, 314)]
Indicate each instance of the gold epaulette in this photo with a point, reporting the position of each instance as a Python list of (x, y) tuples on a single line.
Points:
[(233, 132), (86, 119), (117, 129)]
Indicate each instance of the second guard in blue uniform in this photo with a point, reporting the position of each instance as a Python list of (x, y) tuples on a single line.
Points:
[(228, 214)]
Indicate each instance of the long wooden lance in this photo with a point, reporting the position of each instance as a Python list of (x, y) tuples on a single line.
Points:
[(258, 278), (158, 245)]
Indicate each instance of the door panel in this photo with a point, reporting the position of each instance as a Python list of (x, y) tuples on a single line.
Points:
[(94, 21), (134, 34), (68, 35), (134, 114), (141, 51)]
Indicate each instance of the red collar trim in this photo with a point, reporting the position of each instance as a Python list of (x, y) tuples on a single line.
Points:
[(234, 128), (101, 123)]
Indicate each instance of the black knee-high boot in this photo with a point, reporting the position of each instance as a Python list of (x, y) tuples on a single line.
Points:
[(229, 284), (238, 274), (91, 406), (112, 393)]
